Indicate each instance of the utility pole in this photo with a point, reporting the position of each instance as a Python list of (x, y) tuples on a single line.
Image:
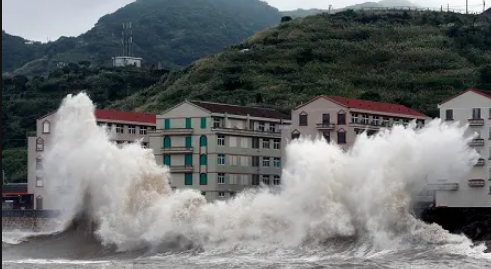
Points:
[(329, 12), (466, 6)]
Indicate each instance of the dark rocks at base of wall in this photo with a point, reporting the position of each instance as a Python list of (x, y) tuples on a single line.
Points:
[(475, 223)]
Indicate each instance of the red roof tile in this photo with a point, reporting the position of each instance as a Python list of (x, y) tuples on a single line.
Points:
[(374, 106), (241, 110), (125, 116), (478, 91)]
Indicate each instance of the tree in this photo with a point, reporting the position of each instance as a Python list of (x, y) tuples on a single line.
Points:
[(286, 18)]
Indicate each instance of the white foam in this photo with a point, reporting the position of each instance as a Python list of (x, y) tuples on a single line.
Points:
[(327, 193)]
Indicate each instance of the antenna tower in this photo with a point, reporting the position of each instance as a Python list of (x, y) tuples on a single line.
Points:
[(127, 39)]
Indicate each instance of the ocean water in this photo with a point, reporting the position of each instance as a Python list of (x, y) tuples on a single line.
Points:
[(336, 209)]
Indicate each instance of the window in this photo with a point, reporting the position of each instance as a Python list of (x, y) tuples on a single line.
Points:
[(255, 142), (489, 113), (232, 141), (203, 141), (167, 160), (203, 193), (341, 137), (232, 179), (245, 179), (341, 118), (143, 130), (202, 159), (39, 202), (255, 180), (217, 123), (203, 123), (376, 121), (266, 179), (167, 142), (255, 161), (188, 141), (144, 145), (277, 162), (221, 159), (188, 123), (303, 120), (327, 136), (244, 142), (266, 161), (266, 144), (39, 181), (188, 179), (476, 113), (39, 144), (46, 127), (221, 194), (276, 143), (39, 164), (203, 179), (260, 126), (233, 160), (221, 140), (405, 122), (449, 114), (244, 160), (276, 180), (354, 118), (295, 135), (386, 122), (364, 119), (132, 130), (232, 194), (167, 124), (326, 119), (119, 129), (221, 178), (188, 160), (272, 127)]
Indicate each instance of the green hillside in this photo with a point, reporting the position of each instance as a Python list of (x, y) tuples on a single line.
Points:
[(15, 51), (173, 32), (25, 100), (416, 59)]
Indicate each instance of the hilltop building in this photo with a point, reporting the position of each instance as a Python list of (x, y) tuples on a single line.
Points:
[(123, 61), (472, 107), (127, 126), (219, 149)]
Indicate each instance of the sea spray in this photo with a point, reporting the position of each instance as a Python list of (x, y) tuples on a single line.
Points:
[(327, 194)]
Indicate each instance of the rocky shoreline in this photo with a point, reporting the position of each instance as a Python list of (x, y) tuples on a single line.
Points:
[(475, 223)]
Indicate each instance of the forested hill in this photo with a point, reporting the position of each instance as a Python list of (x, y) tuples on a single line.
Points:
[(174, 32), (417, 59)]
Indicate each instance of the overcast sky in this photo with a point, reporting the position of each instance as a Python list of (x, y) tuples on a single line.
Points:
[(49, 19)]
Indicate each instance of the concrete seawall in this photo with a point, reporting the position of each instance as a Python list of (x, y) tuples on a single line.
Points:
[(31, 220)]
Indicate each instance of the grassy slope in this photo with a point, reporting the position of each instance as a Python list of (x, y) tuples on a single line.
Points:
[(402, 58)]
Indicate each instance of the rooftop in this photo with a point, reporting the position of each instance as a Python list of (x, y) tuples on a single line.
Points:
[(478, 91), (374, 106), (258, 112), (105, 114)]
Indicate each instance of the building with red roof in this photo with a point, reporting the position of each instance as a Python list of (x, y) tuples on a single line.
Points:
[(341, 119), (125, 126)]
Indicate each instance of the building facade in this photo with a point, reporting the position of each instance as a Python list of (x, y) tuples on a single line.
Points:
[(219, 149), (472, 107), (341, 119), (122, 61), (126, 127)]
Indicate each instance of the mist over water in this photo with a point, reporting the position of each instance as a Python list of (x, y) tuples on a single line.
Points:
[(357, 202)]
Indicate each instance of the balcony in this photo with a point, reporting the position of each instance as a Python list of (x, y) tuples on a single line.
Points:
[(480, 162), (326, 126), (476, 183), (370, 124), (476, 122), (172, 131), (443, 187), (246, 132), (477, 142), (181, 169), (178, 150)]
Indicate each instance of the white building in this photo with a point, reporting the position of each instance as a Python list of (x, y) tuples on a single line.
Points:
[(471, 107), (122, 61)]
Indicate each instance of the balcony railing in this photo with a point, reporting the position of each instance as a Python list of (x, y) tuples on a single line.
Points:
[(477, 182), (326, 126), (183, 168), (248, 132), (476, 122), (371, 124), (177, 149), (443, 187), (476, 142), (480, 162), (171, 131)]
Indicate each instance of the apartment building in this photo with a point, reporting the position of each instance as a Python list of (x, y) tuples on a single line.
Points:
[(341, 119), (472, 107), (125, 126), (219, 149)]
